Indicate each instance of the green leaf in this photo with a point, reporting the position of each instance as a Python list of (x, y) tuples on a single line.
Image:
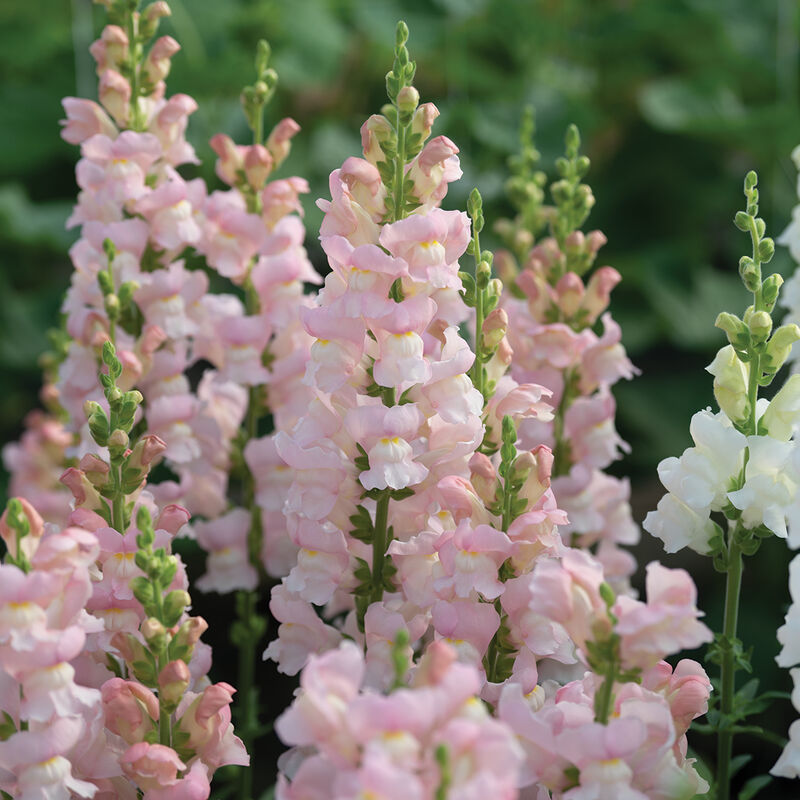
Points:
[(754, 786)]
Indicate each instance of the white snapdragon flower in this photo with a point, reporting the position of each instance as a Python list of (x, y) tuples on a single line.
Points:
[(701, 476), (782, 416), (679, 526), (772, 483)]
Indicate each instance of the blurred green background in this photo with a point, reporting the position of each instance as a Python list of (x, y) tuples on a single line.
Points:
[(676, 100)]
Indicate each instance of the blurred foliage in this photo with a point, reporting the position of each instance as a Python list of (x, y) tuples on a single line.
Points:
[(676, 100)]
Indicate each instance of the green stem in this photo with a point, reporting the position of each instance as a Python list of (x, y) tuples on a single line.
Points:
[(728, 667), (164, 717), (603, 698), (562, 457), (379, 546), (400, 171), (752, 391), (118, 502)]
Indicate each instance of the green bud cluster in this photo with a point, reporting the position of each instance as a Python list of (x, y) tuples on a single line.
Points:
[(159, 569), (481, 292), (513, 473), (394, 130), (112, 430), (752, 337), (573, 199), (254, 98), (525, 190), (18, 522), (119, 304)]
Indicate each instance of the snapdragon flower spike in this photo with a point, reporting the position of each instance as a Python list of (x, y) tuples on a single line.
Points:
[(130, 286), (381, 461), (552, 309), (744, 466)]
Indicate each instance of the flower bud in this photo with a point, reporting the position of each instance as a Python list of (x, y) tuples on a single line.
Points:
[(749, 273), (257, 166), (423, 120), (779, 347), (537, 481), (280, 138), (159, 59), (494, 329), (173, 681), (154, 633), (115, 95), (129, 647), (770, 289), (782, 417), (130, 709), (407, 99), (118, 440), (760, 324), (86, 496), (569, 293), (150, 18), (231, 158), (189, 633), (505, 266), (738, 332), (95, 469), (174, 605), (598, 291), (483, 478), (111, 49), (20, 520), (730, 384), (376, 132)]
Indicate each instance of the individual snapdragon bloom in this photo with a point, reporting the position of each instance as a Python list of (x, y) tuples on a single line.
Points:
[(698, 483)]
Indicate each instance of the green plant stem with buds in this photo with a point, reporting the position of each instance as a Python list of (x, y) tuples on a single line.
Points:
[(750, 270), (399, 78)]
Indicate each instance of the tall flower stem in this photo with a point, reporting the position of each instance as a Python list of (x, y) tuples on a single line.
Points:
[(379, 546), (733, 588)]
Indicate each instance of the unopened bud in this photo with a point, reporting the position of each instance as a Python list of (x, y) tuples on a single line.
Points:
[(376, 132), (779, 347), (737, 331), (173, 681), (154, 632), (118, 440), (494, 328), (407, 100), (483, 478), (569, 293), (770, 289), (760, 325), (749, 273), (95, 469), (730, 383)]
